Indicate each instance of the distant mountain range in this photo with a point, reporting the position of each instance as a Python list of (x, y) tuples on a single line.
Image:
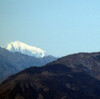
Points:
[(23, 48), (74, 76), (13, 62)]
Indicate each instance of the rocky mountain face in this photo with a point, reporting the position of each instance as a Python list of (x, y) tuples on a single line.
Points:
[(71, 77), (88, 62), (11, 63)]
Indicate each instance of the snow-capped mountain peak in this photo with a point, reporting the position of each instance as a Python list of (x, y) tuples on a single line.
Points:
[(18, 46)]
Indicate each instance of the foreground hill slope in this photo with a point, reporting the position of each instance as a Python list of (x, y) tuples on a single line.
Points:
[(10, 63), (88, 62), (71, 77)]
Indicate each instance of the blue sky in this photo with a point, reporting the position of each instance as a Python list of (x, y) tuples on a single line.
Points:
[(60, 27)]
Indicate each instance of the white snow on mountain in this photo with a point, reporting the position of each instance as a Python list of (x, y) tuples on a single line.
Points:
[(18, 46)]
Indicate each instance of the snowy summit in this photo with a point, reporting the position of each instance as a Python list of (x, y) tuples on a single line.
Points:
[(25, 49)]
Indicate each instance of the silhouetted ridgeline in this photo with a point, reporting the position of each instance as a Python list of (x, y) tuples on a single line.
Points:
[(11, 63)]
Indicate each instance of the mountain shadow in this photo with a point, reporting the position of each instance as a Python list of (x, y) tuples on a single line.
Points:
[(11, 63)]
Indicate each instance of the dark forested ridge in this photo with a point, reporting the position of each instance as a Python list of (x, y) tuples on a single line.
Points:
[(72, 77), (11, 63)]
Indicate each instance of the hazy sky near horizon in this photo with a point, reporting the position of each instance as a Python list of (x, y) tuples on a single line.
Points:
[(60, 27)]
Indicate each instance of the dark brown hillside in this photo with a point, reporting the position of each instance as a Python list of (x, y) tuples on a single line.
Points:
[(88, 62), (71, 77)]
